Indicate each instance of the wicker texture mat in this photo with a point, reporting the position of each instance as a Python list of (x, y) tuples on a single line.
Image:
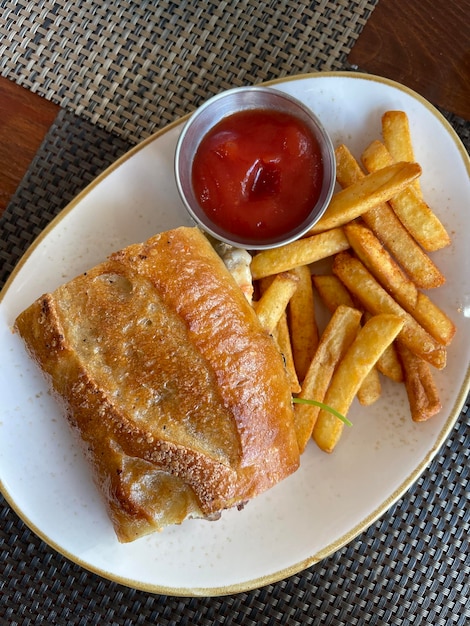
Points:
[(135, 66), (122, 69)]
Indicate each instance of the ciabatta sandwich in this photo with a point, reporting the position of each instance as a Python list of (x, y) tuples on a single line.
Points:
[(179, 398)]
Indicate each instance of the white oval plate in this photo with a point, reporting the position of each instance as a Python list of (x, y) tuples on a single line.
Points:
[(332, 497)]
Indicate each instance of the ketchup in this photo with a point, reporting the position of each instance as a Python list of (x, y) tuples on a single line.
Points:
[(258, 173)]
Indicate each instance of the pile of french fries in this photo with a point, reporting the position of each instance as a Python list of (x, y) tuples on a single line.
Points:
[(378, 232)]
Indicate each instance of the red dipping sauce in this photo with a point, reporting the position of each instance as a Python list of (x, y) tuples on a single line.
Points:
[(258, 173)]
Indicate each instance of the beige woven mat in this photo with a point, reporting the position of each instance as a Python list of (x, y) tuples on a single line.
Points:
[(135, 66)]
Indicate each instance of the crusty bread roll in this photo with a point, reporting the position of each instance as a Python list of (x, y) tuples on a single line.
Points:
[(179, 397)]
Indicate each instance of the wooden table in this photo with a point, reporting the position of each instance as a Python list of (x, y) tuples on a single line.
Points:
[(25, 119), (424, 45)]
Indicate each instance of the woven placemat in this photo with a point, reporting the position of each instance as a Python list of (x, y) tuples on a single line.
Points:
[(410, 567), (133, 67), (122, 69)]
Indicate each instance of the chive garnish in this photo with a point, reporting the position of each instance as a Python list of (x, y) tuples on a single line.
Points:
[(323, 406)]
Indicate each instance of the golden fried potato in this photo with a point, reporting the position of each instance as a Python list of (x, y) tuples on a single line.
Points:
[(420, 268), (302, 322), (275, 299), (389, 363), (333, 292), (360, 358), (421, 389), (282, 337), (338, 335), (378, 261), (297, 253), (417, 217), (397, 139), (375, 299), (365, 194), (390, 231), (371, 388)]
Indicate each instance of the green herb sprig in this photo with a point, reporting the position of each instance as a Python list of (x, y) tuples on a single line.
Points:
[(323, 406)]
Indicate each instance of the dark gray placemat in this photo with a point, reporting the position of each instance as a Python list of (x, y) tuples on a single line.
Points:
[(410, 567), (131, 67), (72, 155)]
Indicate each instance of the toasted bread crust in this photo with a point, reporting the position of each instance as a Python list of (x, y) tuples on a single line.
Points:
[(167, 377)]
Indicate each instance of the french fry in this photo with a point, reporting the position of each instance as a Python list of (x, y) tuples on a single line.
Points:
[(360, 358), (348, 170), (388, 363), (397, 139), (274, 300), (338, 335), (297, 253), (397, 136), (302, 322), (421, 389), (402, 333), (375, 299), (389, 230), (370, 389), (412, 258), (333, 292), (282, 337), (264, 283), (412, 211), (377, 260), (365, 194)]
